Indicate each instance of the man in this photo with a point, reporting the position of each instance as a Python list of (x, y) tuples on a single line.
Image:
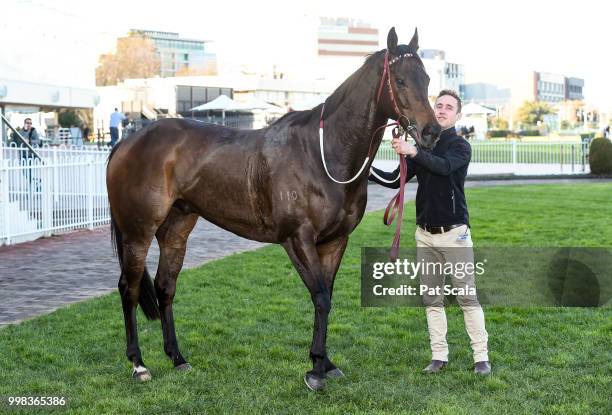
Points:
[(443, 230), (115, 121), (29, 133)]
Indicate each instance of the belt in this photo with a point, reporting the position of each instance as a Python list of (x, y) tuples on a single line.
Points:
[(439, 229)]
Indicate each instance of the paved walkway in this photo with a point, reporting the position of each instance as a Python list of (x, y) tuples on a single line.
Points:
[(40, 276)]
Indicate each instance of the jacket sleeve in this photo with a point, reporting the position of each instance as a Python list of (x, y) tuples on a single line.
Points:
[(457, 156), (34, 138), (394, 174)]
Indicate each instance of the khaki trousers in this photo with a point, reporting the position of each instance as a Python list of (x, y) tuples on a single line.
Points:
[(450, 247)]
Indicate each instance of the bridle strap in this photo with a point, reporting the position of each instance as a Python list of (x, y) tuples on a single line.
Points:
[(396, 207)]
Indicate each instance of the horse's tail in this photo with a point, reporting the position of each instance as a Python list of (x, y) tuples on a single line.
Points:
[(147, 298)]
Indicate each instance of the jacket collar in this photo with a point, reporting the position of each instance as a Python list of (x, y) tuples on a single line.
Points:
[(449, 132)]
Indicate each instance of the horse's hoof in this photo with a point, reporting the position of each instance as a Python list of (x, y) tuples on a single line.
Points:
[(334, 374), (184, 367), (313, 382), (143, 376)]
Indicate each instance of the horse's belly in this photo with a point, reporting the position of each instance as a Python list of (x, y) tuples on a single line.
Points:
[(233, 214)]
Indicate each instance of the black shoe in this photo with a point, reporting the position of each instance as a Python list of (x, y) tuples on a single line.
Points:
[(482, 368), (435, 367)]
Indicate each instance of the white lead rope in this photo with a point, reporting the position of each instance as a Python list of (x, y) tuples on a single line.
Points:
[(384, 180), (365, 162)]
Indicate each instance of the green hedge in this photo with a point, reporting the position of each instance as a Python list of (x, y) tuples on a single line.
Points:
[(600, 156), (529, 133), (498, 133)]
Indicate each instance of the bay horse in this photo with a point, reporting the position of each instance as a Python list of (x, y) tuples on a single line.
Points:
[(271, 185)]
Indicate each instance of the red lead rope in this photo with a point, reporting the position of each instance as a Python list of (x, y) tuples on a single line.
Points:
[(396, 204), (396, 207)]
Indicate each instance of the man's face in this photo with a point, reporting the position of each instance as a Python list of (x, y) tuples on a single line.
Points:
[(446, 111), (27, 125)]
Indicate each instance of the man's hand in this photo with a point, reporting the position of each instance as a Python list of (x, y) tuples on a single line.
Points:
[(402, 147)]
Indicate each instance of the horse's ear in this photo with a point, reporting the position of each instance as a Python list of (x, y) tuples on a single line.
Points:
[(392, 41), (414, 43)]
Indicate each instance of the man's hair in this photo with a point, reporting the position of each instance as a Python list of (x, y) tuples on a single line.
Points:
[(27, 119), (453, 94)]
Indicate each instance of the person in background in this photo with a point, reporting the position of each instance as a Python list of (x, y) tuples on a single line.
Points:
[(30, 134), (116, 119)]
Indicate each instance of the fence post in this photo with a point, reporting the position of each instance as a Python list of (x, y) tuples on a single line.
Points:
[(6, 200), (55, 177), (90, 191), (514, 167), (47, 199)]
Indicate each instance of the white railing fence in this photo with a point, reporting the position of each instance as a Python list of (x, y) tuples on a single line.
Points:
[(515, 157), (66, 188), (63, 190)]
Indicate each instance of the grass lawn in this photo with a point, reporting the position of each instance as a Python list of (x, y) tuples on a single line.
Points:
[(244, 323)]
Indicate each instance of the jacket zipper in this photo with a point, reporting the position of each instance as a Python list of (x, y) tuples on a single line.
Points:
[(453, 197)]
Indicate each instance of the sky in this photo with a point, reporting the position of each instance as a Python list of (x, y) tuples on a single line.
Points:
[(494, 40)]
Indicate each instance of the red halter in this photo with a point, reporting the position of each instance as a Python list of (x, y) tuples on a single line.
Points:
[(396, 204)]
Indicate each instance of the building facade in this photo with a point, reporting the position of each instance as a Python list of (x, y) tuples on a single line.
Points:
[(442, 74), (486, 94), (180, 56), (342, 46), (573, 88)]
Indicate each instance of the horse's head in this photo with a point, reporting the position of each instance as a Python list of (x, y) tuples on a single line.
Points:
[(406, 86)]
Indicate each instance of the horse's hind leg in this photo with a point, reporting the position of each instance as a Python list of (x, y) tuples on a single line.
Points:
[(133, 271), (172, 239)]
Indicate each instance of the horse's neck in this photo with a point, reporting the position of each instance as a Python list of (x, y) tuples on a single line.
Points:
[(349, 131)]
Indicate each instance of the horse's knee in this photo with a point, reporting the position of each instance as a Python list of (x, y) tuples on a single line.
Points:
[(322, 302), (122, 284), (165, 289)]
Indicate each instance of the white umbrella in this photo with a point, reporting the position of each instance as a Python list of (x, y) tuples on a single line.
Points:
[(258, 104), (221, 103)]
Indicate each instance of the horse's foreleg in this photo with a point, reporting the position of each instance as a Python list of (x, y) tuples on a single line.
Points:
[(172, 239), (303, 253), (330, 256)]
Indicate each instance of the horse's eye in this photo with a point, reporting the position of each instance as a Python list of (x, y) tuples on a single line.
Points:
[(400, 81)]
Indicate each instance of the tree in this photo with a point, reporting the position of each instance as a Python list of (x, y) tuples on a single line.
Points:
[(497, 123), (69, 118), (136, 57), (533, 111), (208, 68)]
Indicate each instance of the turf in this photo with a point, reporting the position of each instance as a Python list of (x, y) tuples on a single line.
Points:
[(245, 324)]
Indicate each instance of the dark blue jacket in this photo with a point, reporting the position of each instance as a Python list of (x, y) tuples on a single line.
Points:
[(440, 199)]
